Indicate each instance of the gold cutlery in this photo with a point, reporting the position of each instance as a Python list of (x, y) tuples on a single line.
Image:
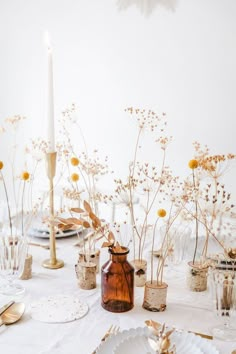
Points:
[(5, 307), (111, 330), (206, 336), (203, 335), (12, 314), (46, 247)]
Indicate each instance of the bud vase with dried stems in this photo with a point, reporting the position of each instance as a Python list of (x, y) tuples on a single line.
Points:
[(87, 266), (146, 179), (197, 272), (86, 275), (117, 282), (212, 203), (155, 291), (93, 256)]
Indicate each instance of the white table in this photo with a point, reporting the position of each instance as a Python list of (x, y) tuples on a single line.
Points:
[(186, 310)]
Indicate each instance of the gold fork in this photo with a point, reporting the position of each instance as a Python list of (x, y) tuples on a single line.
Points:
[(111, 330)]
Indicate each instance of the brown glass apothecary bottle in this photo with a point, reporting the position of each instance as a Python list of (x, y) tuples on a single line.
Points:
[(117, 282)]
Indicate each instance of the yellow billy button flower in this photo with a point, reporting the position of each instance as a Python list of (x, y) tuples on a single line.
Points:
[(25, 176), (193, 164), (161, 213), (1, 165), (74, 161), (74, 177)]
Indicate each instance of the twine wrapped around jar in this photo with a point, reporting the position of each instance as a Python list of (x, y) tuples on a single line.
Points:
[(27, 271)]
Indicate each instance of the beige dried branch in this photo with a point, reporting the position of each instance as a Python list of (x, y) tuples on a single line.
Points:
[(100, 229)]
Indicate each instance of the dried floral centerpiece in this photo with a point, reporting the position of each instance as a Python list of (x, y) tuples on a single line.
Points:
[(83, 167), (17, 187), (212, 205), (147, 181), (88, 261), (117, 273), (156, 289)]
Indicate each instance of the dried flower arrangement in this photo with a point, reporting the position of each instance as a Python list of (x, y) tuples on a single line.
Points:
[(99, 229), (156, 289), (19, 189), (83, 168), (212, 203), (143, 179), (161, 213), (208, 204)]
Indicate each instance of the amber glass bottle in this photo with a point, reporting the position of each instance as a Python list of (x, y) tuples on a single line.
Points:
[(118, 282)]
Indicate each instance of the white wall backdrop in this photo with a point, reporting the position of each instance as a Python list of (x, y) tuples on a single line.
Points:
[(180, 61)]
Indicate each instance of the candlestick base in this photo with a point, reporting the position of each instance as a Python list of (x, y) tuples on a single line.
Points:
[(53, 265)]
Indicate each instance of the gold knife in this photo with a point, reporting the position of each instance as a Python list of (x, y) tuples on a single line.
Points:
[(5, 307), (203, 335)]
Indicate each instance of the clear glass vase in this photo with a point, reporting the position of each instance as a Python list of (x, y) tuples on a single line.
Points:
[(223, 287), (117, 283), (175, 240), (12, 257)]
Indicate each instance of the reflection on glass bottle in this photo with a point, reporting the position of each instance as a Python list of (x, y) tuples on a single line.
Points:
[(118, 282)]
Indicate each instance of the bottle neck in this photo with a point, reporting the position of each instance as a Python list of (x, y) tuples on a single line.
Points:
[(118, 258)]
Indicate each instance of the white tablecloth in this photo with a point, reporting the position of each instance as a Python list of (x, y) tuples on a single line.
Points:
[(185, 309)]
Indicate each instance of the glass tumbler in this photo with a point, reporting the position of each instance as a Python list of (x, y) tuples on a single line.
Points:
[(223, 287), (12, 258), (175, 240)]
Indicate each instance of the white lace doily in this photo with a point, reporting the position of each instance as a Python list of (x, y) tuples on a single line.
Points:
[(58, 309)]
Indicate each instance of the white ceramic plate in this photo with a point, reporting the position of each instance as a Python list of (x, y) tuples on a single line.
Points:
[(135, 341), (41, 230), (43, 233), (139, 345), (58, 309)]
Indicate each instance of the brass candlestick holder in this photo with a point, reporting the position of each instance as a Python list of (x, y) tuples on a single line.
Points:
[(53, 262)]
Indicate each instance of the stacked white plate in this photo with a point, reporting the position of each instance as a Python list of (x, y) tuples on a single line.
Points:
[(135, 340)]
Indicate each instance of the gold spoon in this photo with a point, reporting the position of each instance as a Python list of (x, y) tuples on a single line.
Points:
[(12, 314)]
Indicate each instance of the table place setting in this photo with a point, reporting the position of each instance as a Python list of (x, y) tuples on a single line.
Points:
[(170, 255), (141, 340)]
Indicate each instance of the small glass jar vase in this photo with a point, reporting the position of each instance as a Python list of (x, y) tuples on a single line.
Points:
[(117, 282), (86, 275), (140, 272), (92, 256), (197, 277)]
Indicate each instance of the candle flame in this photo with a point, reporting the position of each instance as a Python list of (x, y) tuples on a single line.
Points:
[(47, 40)]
